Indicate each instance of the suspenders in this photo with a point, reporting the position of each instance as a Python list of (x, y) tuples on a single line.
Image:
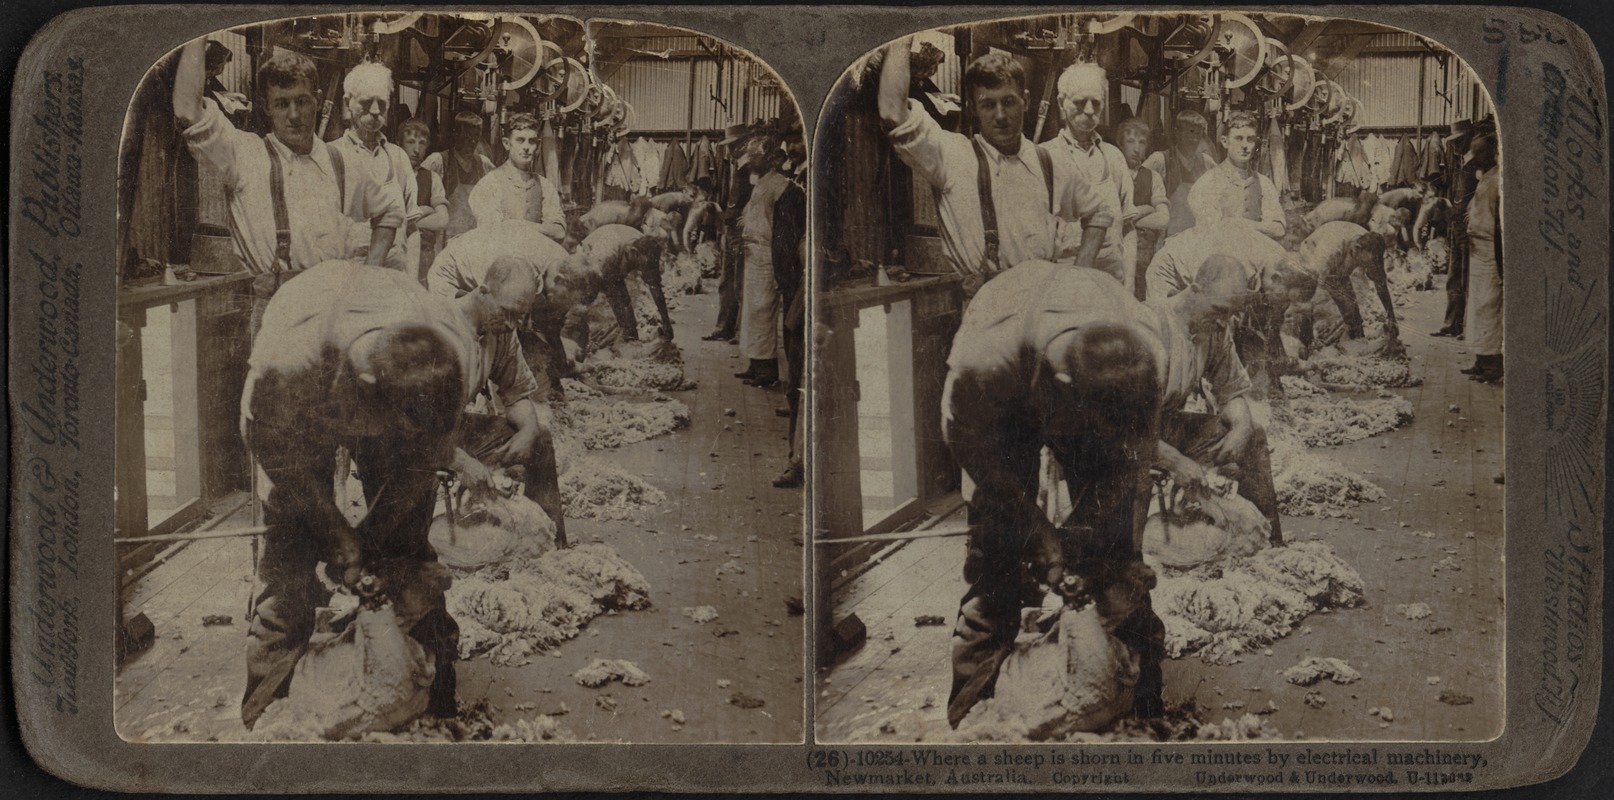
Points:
[(277, 194), (989, 211)]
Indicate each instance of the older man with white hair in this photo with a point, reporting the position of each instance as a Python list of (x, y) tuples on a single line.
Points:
[(1083, 93), (367, 95)]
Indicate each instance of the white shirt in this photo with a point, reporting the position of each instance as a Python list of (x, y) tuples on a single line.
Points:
[(383, 164), (1221, 193), (1105, 169), (1027, 229), (510, 193), (319, 229), (1178, 260), (463, 264), (339, 306)]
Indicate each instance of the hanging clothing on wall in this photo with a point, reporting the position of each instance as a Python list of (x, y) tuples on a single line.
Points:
[(1380, 154), (622, 170), (703, 165), (1434, 153), (1396, 165), (1361, 165), (674, 167), (1408, 162), (647, 155)]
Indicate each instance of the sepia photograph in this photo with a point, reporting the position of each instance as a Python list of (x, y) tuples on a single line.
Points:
[(823, 399), (459, 369), (1159, 387)]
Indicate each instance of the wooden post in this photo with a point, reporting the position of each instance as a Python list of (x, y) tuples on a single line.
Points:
[(131, 430), (837, 470)]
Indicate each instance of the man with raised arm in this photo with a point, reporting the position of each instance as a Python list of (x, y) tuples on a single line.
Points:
[(290, 200), (1002, 199)]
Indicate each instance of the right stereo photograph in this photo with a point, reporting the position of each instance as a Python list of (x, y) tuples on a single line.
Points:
[(1158, 385)]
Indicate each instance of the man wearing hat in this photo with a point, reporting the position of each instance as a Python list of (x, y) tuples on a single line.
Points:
[(759, 309), (1457, 233), (732, 249)]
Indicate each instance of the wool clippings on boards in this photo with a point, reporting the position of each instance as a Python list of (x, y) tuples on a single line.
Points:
[(682, 273), (1296, 387), (1361, 371), (657, 365), (474, 723), (1220, 611), (1313, 485), (1325, 421), (594, 489), (511, 611), (603, 424)]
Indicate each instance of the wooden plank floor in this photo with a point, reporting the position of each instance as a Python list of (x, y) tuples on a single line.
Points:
[(717, 474), (1438, 477)]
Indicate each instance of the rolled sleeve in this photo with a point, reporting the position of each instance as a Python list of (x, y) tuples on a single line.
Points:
[(214, 140), (1224, 370), (510, 371), (1165, 278), (445, 279), (439, 194), (918, 142), (384, 204), (1083, 202)]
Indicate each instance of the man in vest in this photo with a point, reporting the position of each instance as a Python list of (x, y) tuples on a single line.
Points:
[(1181, 166), (1151, 206), (288, 210), (1083, 92), (515, 190), (1234, 188), (1002, 199), (367, 94), (461, 168), (432, 212)]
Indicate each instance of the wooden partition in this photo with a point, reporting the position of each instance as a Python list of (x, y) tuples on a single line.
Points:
[(920, 318)]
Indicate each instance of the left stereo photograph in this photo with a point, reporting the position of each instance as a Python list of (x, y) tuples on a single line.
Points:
[(458, 368)]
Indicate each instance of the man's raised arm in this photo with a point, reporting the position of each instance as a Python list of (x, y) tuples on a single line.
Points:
[(894, 80), (190, 78)]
